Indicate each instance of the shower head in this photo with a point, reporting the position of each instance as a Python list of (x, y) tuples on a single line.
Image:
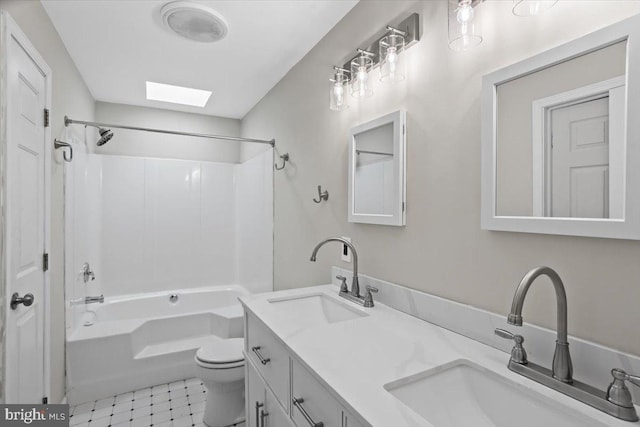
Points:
[(105, 136)]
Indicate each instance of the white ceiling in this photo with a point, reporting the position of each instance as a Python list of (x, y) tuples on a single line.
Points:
[(120, 44)]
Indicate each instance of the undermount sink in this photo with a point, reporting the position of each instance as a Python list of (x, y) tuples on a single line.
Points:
[(462, 393), (317, 308)]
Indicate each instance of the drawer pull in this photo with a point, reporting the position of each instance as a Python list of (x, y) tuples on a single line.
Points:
[(298, 404), (256, 350), (258, 406), (263, 415)]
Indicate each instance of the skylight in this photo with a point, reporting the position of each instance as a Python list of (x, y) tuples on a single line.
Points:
[(177, 94)]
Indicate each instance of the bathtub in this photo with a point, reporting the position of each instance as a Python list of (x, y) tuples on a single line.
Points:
[(136, 341)]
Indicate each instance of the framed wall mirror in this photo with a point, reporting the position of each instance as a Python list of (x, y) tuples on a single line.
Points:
[(561, 139), (377, 171)]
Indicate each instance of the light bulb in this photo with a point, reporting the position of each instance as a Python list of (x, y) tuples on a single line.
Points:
[(392, 57), (338, 91), (362, 80), (465, 12)]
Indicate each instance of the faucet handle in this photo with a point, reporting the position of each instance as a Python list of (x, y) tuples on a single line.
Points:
[(343, 285), (617, 392), (368, 298), (518, 353)]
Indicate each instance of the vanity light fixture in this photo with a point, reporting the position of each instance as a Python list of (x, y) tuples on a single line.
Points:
[(338, 99), (465, 31), (361, 65), (531, 7), (385, 52), (391, 65)]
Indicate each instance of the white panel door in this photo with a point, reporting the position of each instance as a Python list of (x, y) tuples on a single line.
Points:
[(25, 185), (580, 160)]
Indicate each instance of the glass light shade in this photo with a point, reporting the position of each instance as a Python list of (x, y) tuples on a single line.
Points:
[(338, 87), (465, 29), (360, 85), (531, 7), (392, 66)]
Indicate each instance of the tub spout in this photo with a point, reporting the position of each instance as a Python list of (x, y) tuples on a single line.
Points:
[(87, 300)]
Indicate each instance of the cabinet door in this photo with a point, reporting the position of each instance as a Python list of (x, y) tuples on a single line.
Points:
[(256, 396), (263, 409), (349, 420), (274, 414), (311, 402)]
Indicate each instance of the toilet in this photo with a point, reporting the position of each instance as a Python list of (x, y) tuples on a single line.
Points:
[(220, 366)]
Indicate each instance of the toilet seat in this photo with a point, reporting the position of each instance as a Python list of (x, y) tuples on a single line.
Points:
[(223, 354)]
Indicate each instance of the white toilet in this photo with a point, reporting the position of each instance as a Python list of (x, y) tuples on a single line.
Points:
[(220, 366)]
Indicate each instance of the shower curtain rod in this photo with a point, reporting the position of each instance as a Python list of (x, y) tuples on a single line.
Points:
[(68, 121)]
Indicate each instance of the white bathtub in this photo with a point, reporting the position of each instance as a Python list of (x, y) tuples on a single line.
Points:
[(137, 341)]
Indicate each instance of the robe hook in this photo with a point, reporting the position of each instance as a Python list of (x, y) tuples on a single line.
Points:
[(285, 159)]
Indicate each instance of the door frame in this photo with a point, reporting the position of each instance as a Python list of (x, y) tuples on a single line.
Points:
[(9, 29), (541, 137)]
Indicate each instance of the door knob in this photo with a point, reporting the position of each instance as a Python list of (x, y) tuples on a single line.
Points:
[(16, 300)]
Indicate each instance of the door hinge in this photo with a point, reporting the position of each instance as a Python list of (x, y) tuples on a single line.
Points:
[(45, 400), (45, 262), (46, 117)]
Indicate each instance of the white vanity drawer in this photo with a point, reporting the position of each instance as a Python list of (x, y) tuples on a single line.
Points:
[(270, 358), (311, 402)]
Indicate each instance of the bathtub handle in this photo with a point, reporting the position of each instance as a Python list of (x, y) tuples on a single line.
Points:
[(256, 350)]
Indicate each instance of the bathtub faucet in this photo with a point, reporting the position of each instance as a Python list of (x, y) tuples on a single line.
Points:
[(87, 300), (87, 273)]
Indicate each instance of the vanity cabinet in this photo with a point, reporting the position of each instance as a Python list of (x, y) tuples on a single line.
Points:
[(281, 391), (264, 410), (310, 402)]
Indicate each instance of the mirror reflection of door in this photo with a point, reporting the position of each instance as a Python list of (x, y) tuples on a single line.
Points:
[(581, 154), (579, 157)]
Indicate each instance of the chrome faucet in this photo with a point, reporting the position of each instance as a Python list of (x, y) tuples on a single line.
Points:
[(354, 294), (88, 300), (561, 367), (355, 287), (617, 399)]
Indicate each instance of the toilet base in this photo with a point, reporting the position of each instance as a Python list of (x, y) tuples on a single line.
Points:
[(225, 404)]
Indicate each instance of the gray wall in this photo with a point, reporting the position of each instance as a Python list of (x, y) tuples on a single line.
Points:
[(146, 144), (442, 249), (70, 97)]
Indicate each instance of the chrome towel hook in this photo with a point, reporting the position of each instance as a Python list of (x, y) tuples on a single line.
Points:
[(285, 159), (322, 195), (61, 144)]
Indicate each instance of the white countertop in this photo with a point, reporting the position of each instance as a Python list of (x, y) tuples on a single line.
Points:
[(356, 358)]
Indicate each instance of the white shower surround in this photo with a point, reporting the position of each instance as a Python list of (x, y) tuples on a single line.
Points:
[(147, 224), (150, 227)]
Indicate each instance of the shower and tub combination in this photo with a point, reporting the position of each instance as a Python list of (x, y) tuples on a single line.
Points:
[(172, 244)]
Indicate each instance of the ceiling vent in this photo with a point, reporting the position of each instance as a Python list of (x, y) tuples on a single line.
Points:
[(194, 21)]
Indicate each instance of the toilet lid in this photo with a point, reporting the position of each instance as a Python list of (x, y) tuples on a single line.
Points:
[(225, 351)]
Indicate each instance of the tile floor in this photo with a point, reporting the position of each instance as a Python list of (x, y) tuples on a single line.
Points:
[(177, 404)]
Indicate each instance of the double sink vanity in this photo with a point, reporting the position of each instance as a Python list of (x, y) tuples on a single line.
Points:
[(316, 359), (327, 356)]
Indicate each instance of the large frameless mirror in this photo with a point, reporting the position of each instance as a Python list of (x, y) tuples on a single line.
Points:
[(560, 148), (376, 171)]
